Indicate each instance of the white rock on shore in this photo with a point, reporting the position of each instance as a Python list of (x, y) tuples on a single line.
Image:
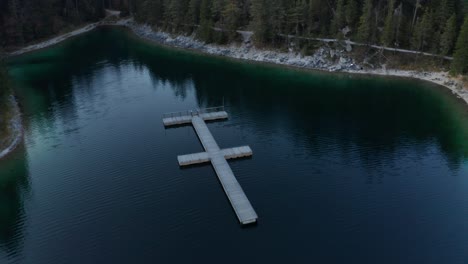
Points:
[(55, 40), (322, 59), (245, 51)]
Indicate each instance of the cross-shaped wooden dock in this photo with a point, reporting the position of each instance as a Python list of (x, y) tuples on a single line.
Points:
[(239, 201)]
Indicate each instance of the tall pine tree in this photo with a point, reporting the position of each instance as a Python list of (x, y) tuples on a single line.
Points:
[(423, 31), (460, 57), (449, 35), (261, 21), (352, 13), (193, 13), (365, 23), (205, 31), (388, 34), (231, 14), (339, 18)]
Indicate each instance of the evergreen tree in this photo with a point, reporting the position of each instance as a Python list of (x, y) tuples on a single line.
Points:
[(205, 32), (400, 22), (150, 11), (4, 93), (423, 32), (388, 34), (425, 25), (261, 21), (13, 24), (174, 13), (231, 14), (444, 11), (22, 21), (193, 13), (449, 35), (417, 6), (339, 18), (460, 57), (352, 13), (321, 16), (293, 17), (4, 81), (365, 23), (217, 9), (278, 19)]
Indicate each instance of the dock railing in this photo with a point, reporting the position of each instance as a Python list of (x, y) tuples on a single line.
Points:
[(195, 112)]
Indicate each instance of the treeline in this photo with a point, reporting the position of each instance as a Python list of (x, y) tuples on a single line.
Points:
[(435, 26), (23, 21), (422, 25), (4, 81), (4, 93)]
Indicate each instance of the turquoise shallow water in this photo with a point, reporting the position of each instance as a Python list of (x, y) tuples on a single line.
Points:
[(346, 169)]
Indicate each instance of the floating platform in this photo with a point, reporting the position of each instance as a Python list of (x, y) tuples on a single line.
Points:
[(185, 118), (218, 157), (204, 157)]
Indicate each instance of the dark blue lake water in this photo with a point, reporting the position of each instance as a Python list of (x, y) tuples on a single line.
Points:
[(346, 169)]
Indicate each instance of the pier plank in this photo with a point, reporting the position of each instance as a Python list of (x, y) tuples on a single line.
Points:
[(218, 158)]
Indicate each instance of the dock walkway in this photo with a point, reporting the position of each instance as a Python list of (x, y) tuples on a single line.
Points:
[(218, 158)]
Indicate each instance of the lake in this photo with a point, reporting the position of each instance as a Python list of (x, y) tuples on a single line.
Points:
[(346, 168)]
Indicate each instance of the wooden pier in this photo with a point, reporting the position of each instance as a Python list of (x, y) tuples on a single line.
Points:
[(218, 157)]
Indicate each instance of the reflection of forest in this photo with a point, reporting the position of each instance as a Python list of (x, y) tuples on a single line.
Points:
[(14, 185), (351, 110)]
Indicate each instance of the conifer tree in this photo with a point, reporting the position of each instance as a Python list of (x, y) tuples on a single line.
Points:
[(261, 21), (352, 13), (319, 16), (400, 24), (174, 13), (217, 8), (417, 6), (293, 18), (278, 19), (4, 92), (388, 35), (460, 57), (13, 24), (150, 11), (4, 81), (205, 31), (231, 15), (339, 18), (444, 11), (423, 31), (449, 35), (193, 13), (365, 22), (425, 25)]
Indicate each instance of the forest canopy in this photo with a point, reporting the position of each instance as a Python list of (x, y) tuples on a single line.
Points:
[(23, 21), (434, 26), (422, 25)]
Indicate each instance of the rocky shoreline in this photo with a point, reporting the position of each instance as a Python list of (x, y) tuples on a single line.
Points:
[(325, 58), (16, 130), (54, 40)]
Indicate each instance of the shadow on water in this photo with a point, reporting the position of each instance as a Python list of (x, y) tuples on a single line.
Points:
[(336, 105), (14, 189), (378, 113), (95, 138), (374, 112)]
